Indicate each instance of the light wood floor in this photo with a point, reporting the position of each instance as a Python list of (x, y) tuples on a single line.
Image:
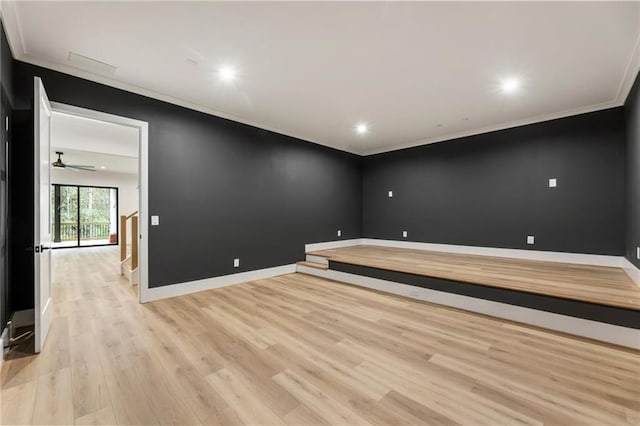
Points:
[(300, 350), (594, 284)]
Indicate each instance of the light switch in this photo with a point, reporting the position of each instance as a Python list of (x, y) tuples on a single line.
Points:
[(404, 234), (530, 239), (553, 183), (155, 220), (390, 194), (638, 252)]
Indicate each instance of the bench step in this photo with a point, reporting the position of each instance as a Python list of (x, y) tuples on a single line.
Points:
[(313, 265)]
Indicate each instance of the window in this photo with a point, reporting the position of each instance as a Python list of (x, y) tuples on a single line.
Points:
[(84, 216)]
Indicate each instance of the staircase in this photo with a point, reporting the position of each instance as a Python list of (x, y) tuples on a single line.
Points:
[(129, 264), (312, 265)]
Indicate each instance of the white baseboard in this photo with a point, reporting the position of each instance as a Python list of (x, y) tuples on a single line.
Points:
[(548, 256), (132, 276), (4, 341), (317, 259), (631, 270), (180, 289), (332, 244), (618, 335)]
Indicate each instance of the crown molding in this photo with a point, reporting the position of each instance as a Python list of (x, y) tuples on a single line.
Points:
[(508, 125), (10, 16), (630, 75)]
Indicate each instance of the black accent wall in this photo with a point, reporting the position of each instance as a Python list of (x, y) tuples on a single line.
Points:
[(492, 189), (222, 189), (632, 108), (6, 69), (226, 190)]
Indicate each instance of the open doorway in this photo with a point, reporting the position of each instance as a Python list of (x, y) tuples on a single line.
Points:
[(98, 192), (30, 327)]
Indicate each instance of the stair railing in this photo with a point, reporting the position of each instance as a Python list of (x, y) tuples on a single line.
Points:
[(134, 239)]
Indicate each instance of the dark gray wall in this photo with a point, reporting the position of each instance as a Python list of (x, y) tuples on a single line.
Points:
[(6, 69), (492, 189), (632, 108), (223, 190)]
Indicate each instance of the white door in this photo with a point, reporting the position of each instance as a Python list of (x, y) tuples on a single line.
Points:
[(42, 223)]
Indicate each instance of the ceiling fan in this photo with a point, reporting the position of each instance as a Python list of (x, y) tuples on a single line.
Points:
[(74, 167)]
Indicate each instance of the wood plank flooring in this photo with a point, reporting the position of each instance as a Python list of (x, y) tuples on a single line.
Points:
[(594, 284), (300, 350)]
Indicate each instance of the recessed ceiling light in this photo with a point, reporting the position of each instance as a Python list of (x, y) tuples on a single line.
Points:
[(362, 128), (102, 167), (226, 73), (510, 85)]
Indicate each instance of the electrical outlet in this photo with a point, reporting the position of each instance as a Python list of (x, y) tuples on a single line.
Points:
[(553, 183), (390, 194), (236, 263), (404, 234), (155, 220), (339, 233), (413, 293), (530, 239)]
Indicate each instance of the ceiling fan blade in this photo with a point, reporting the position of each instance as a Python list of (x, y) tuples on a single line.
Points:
[(85, 168), (80, 165)]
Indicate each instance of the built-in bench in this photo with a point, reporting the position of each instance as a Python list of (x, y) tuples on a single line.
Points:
[(591, 301)]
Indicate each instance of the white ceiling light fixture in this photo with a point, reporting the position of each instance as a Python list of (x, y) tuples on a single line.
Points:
[(226, 73), (362, 128), (510, 85)]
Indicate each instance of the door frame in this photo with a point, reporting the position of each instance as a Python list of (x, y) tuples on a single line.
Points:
[(143, 182)]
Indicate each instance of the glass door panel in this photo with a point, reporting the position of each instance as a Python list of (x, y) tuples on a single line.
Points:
[(98, 216), (64, 215), (84, 215)]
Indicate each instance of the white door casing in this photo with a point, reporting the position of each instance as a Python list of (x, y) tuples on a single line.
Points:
[(143, 182)]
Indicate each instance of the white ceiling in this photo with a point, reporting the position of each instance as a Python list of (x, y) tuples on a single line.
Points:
[(104, 163), (111, 148), (85, 134), (416, 72)]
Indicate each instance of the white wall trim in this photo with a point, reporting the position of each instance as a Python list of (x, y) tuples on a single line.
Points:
[(547, 256), (4, 341), (317, 259), (615, 334), (332, 244), (13, 28), (25, 57), (189, 287), (500, 126), (20, 52), (127, 87), (631, 270), (630, 74)]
